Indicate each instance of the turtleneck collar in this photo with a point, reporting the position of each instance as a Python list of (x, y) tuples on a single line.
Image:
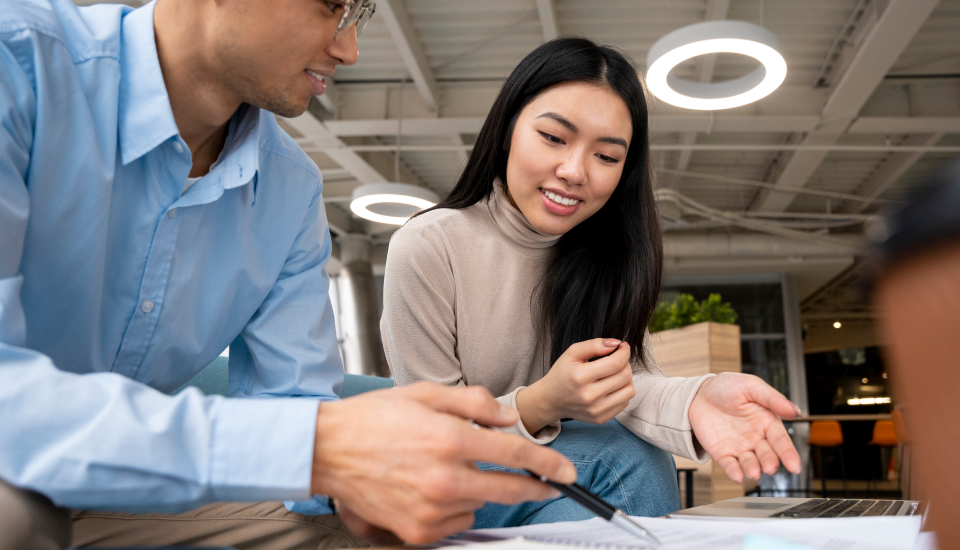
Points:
[(512, 223)]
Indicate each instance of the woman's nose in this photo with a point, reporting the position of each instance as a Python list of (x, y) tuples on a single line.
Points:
[(572, 169)]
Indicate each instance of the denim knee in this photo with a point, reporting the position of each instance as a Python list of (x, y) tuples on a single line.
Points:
[(628, 472), (612, 462)]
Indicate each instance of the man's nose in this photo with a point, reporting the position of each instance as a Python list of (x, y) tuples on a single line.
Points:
[(345, 49)]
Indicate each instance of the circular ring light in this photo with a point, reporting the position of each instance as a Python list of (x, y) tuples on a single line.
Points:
[(715, 37), (391, 203)]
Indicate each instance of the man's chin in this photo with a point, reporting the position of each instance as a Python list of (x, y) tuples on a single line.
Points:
[(283, 106), (289, 111)]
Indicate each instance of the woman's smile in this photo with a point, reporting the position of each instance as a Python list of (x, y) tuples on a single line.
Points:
[(566, 155), (559, 204)]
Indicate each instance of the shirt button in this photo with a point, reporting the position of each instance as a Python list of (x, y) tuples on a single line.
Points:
[(146, 306), (172, 213), (177, 147)]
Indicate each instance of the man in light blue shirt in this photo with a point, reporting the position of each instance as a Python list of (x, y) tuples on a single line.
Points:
[(118, 284)]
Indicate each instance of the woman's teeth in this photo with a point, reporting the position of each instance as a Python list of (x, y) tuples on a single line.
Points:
[(560, 200)]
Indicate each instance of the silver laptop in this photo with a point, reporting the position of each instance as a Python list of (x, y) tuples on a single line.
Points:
[(786, 508)]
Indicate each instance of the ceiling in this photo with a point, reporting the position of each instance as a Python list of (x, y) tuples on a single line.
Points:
[(869, 108)]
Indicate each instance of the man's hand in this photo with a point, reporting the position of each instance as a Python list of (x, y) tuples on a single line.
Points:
[(576, 387), (403, 460), (736, 418)]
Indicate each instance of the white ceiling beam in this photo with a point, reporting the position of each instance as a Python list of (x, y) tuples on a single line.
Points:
[(410, 50), (316, 136), (548, 19), (895, 166), (884, 44), (716, 10), (906, 125), (411, 126), (658, 124), (310, 147), (663, 124)]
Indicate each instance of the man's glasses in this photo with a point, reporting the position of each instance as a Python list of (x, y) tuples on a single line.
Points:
[(355, 11)]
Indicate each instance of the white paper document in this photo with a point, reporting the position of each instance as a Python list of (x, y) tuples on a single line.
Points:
[(880, 533)]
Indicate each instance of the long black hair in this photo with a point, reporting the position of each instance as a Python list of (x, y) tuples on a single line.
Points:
[(604, 275)]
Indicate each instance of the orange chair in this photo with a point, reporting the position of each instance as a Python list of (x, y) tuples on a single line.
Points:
[(885, 437), (827, 434)]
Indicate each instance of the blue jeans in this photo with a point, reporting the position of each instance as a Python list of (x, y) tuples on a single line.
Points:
[(612, 462)]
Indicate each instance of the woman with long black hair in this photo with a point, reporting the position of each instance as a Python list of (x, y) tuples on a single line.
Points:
[(536, 278)]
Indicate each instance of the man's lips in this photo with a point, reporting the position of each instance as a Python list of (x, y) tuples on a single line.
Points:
[(317, 82)]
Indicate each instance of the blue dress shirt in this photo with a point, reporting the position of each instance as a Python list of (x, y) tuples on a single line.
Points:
[(117, 287)]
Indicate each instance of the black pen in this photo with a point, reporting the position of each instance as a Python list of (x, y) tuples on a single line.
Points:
[(602, 508)]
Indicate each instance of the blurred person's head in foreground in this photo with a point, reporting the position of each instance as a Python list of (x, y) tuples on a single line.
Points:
[(917, 290)]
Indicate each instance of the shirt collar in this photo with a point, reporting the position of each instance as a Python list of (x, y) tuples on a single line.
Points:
[(239, 162), (145, 117)]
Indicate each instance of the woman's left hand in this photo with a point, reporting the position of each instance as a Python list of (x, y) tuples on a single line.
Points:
[(736, 418)]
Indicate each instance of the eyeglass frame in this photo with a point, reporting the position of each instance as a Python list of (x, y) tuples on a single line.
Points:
[(348, 14)]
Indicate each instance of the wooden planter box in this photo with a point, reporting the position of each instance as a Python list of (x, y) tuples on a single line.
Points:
[(696, 350)]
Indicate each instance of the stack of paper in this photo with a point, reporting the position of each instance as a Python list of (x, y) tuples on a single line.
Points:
[(879, 533)]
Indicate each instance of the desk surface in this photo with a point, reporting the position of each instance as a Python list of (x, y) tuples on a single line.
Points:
[(839, 417)]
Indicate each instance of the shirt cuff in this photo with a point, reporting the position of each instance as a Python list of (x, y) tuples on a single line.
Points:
[(262, 449), (544, 436), (317, 506)]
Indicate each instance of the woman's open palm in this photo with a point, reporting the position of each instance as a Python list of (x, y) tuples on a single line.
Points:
[(736, 418)]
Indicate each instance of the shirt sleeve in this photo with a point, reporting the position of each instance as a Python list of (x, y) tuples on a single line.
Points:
[(103, 441), (289, 347), (659, 412), (419, 322)]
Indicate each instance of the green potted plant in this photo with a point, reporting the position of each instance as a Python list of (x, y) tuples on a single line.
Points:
[(691, 338)]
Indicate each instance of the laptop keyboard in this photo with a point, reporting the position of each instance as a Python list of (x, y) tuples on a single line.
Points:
[(845, 508)]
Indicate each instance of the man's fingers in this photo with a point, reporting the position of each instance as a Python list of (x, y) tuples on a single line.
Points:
[(765, 395), (731, 466), (769, 462), (515, 452), (750, 465), (359, 526), (782, 445), (424, 534), (471, 403), (501, 487)]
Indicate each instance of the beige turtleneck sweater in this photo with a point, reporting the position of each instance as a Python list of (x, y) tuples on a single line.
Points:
[(457, 311)]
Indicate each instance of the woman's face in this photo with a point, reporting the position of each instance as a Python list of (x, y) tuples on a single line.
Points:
[(566, 155)]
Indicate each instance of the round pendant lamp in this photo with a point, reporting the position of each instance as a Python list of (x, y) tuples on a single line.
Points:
[(391, 203), (715, 37)]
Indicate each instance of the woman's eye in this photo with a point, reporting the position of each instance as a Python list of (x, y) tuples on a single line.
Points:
[(550, 138), (609, 160)]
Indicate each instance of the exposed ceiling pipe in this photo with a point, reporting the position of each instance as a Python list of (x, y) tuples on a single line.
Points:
[(748, 245), (691, 207)]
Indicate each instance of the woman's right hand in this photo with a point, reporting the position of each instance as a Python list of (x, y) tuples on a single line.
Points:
[(575, 387)]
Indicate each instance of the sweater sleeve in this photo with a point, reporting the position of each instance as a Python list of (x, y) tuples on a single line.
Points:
[(419, 322), (659, 413)]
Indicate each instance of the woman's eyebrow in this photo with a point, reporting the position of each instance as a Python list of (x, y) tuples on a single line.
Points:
[(573, 128), (566, 123)]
